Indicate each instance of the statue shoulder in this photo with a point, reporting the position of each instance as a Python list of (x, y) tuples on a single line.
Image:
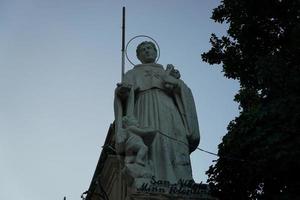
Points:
[(132, 75), (129, 74), (132, 71)]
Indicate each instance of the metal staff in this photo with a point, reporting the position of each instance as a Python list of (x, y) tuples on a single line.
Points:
[(123, 44)]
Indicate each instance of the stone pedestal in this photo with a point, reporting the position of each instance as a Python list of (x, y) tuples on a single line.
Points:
[(166, 197), (109, 183), (179, 191)]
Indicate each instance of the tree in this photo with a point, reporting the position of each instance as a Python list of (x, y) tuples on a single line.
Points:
[(260, 154)]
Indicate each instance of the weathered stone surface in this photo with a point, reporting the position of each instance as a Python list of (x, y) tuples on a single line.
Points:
[(146, 154), (112, 183), (167, 197), (163, 108)]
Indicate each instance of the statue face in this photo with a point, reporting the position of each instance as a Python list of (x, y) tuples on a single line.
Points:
[(147, 54)]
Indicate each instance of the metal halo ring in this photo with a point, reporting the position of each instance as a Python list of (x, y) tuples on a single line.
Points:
[(158, 49)]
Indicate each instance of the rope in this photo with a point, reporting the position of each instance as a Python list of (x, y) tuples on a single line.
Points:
[(179, 141)]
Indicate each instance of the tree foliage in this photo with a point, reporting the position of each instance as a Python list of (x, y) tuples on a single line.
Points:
[(260, 154)]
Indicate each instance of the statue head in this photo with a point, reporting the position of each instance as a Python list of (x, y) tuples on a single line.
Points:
[(146, 52)]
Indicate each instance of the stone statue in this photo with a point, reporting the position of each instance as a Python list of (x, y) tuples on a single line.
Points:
[(136, 149), (156, 123)]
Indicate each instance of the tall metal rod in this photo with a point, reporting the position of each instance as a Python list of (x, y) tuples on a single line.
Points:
[(123, 44)]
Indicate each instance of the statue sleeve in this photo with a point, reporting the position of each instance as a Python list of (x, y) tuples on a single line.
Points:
[(120, 110), (187, 108)]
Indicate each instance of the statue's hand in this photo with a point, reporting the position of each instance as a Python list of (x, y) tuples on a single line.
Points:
[(170, 83), (123, 89), (172, 71)]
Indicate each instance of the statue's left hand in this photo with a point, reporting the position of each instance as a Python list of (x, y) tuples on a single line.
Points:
[(172, 71), (170, 82)]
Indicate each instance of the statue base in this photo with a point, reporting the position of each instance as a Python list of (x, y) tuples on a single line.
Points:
[(166, 194), (112, 184), (150, 196)]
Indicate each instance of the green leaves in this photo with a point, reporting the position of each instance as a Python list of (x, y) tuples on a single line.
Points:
[(261, 50)]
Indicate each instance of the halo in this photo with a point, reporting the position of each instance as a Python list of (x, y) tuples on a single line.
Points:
[(158, 49)]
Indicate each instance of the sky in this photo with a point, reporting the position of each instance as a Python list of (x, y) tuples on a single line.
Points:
[(60, 62)]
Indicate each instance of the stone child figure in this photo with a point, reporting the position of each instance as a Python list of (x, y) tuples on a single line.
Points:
[(160, 100), (136, 140)]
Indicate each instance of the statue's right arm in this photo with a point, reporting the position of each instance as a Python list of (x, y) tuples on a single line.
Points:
[(121, 94), (125, 86), (123, 90)]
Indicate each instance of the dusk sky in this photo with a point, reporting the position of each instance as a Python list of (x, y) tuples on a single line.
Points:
[(60, 61)]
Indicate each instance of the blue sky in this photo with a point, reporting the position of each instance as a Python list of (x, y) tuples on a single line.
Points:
[(59, 64)]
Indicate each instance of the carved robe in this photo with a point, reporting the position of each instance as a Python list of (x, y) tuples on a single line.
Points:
[(172, 113)]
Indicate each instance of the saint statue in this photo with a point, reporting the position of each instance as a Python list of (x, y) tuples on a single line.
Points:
[(156, 126)]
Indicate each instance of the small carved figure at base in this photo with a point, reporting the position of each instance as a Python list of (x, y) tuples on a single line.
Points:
[(136, 140)]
